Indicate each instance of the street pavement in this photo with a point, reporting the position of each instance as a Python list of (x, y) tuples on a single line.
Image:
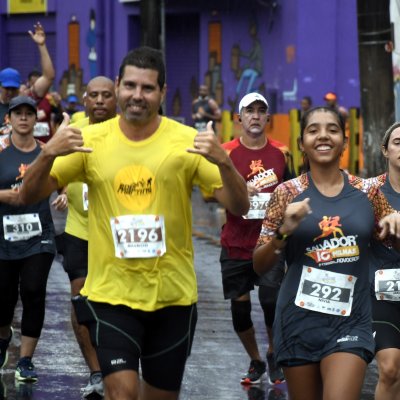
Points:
[(217, 362)]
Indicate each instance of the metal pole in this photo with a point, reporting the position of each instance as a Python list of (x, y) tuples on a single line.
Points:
[(150, 18)]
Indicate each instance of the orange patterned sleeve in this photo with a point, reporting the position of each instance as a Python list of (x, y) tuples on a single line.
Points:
[(381, 209), (381, 206), (281, 197)]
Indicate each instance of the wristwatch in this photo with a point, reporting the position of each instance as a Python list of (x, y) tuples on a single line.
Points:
[(279, 236)]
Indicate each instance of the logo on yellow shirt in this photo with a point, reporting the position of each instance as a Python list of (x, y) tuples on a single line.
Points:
[(135, 187)]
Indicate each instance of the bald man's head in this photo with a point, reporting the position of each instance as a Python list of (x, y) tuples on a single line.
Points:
[(100, 100)]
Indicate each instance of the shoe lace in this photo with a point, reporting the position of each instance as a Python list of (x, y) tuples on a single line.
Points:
[(252, 366), (26, 363)]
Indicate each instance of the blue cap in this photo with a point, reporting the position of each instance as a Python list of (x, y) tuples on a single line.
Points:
[(72, 98), (10, 77)]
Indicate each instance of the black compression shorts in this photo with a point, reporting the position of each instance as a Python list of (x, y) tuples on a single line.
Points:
[(161, 340), (386, 324)]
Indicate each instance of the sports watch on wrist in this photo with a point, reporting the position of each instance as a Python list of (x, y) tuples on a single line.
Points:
[(281, 236)]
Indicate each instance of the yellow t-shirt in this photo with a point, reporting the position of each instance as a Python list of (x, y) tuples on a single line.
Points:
[(149, 177), (77, 218), (77, 116)]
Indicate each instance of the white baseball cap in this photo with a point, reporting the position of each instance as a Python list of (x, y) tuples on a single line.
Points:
[(251, 98)]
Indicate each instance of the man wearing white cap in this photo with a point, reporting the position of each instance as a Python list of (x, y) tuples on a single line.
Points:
[(263, 166)]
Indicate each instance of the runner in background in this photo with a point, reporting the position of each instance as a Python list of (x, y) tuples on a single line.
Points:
[(263, 166), (10, 81), (27, 245), (385, 280), (205, 109), (100, 105), (325, 220)]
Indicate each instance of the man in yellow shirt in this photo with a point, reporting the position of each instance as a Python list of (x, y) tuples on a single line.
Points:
[(100, 104), (140, 293)]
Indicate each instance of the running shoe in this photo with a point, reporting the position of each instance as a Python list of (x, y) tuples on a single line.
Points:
[(25, 371), (95, 388), (274, 371), (4, 343), (256, 371)]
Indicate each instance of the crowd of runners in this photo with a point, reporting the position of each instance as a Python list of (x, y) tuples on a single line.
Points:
[(322, 247)]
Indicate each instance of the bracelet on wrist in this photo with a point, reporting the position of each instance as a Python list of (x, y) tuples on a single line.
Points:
[(281, 238)]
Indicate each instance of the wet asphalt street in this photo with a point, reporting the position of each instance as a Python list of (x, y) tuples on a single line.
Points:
[(217, 362)]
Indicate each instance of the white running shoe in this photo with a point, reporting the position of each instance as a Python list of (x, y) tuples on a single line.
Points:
[(94, 388)]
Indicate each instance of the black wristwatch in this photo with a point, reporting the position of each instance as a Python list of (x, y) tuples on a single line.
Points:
[(280, 236)]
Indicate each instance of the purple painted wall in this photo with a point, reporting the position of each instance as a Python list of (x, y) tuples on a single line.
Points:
[(182, 60), (310, 43), (111, 33), (327, 50)]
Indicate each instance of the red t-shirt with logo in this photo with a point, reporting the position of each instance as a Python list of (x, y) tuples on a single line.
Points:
[(265, 168)]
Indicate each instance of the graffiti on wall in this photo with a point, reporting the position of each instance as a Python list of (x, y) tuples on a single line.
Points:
[(72, 79), (91, 44), (247, 67), (212, 77)]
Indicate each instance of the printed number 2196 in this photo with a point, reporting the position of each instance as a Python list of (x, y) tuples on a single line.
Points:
[(139, 235)]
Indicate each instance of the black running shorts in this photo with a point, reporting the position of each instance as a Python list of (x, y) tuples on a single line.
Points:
[(75, 252), (161, 339), (238, 276), (386, 324)]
